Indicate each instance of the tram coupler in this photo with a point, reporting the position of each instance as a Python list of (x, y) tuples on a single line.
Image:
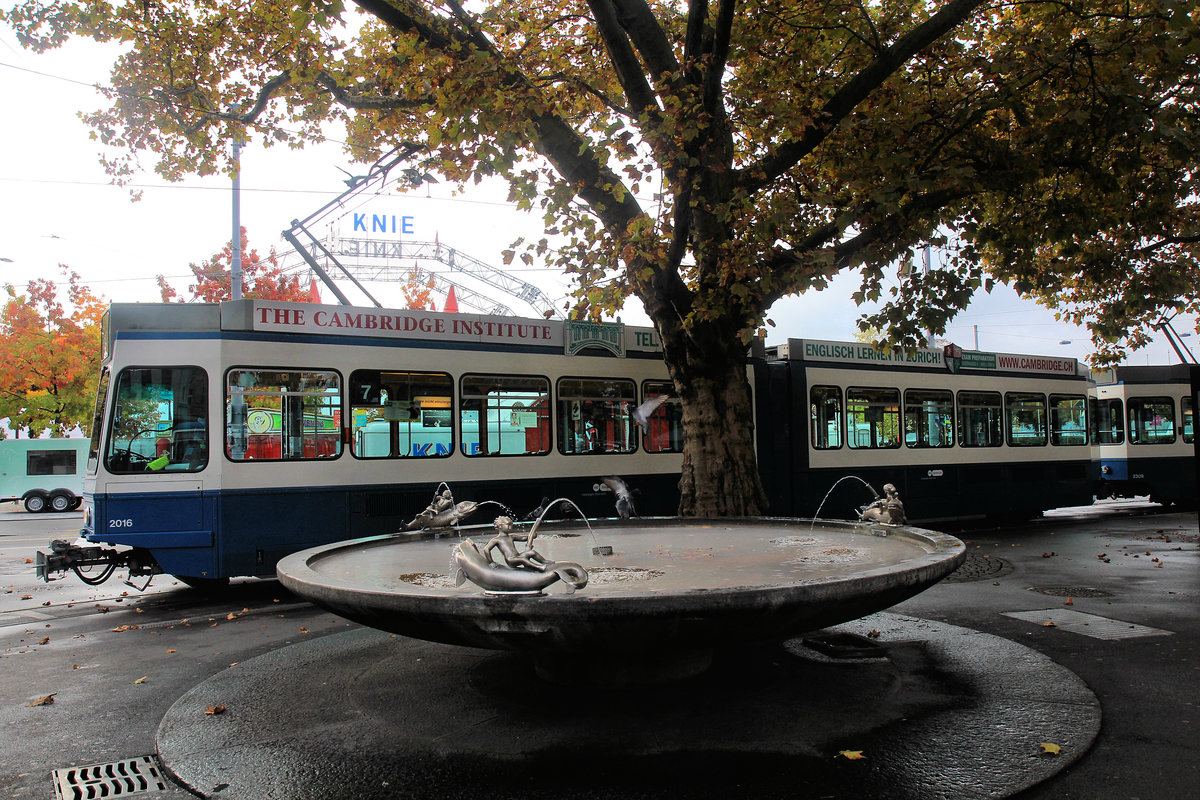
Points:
[(64, 556)]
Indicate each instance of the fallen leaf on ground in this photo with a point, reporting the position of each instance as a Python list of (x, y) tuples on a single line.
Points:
[(852, 755), (1050, 748), (45, 641), (47, 700), (213, 710), (874, 635), (123, 628), (1070, 602), (1049, 624), (1048, 555), (141, 679)]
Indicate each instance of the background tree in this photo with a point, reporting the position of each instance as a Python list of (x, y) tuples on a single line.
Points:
[(262, 278), (712, 157), (418, 291), (50, 357)]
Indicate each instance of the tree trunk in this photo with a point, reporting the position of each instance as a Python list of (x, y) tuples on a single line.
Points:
[(720, 472)]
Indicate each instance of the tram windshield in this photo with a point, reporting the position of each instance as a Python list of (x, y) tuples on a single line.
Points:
[(159, 421)]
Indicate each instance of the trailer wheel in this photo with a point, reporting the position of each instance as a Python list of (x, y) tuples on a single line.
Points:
[(61, 502), (76, 502), (35, 502)]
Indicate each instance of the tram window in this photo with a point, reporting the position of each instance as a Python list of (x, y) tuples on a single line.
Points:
[(159, 421), (1068, 419), (1026, 413), (595, 415), (98, 422), (826, 416), (980, 419), (1151, 420), (665, 424), (1108, 420), (928, 418), (395, 414), (283, 414), (504, 415), (873, 418), (1186, 423)]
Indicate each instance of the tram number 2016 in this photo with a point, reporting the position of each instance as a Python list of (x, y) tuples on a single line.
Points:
[(120, 523)]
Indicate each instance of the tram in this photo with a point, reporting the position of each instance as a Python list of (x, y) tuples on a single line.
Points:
[(1144, 422), (960, 434), (227, 436)]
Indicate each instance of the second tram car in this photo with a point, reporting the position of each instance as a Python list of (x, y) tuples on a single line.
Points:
[(960, 434), (227, 436)]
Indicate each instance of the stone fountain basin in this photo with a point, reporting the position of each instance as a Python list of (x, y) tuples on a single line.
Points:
[(672, 590)]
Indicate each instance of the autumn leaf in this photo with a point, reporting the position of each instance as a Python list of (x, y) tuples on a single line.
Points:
[(1050, 748), (45, 641), (45, 700), (123, 628), (1049, 624), (304, 630), (852, 755), (141, 679), (214, 710)]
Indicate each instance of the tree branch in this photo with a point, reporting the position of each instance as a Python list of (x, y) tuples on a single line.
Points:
[(624, 60), (838, 107)]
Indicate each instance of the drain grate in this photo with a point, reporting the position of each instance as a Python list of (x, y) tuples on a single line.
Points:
[(115, 779), (977, 567), (1086, 624), (1070, 591)]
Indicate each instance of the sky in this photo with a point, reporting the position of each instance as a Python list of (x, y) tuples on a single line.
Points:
[(57, 206)]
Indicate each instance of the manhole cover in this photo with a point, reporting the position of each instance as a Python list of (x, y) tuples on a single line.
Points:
[(115, 779), (1070, 591), (978, 567)]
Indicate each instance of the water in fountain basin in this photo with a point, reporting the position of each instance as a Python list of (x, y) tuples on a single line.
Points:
[(821, 505)]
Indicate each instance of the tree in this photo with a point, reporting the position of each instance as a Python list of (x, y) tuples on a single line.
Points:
[(262, 278), (712, 157), (51, 357), (417, 289)]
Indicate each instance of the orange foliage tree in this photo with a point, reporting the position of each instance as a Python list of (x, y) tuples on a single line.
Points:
[(418, 290), (262, 278), (50, 356)]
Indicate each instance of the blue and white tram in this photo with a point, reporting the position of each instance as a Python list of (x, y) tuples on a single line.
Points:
[(228, 436), (1144, 423), (960, 434)]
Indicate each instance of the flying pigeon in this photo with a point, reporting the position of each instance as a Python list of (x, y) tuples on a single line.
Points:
[(541, 509), (624, 496), (641, 414)]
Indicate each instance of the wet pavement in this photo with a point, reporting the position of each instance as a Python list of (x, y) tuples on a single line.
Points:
[(978, 673)]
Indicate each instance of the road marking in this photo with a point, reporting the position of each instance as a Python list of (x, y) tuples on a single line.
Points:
[(1086, 624)]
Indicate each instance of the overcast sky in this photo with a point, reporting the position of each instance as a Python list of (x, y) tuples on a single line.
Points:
[(57, 207)]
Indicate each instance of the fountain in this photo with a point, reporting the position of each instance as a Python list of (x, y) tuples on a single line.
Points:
[(658, 599)]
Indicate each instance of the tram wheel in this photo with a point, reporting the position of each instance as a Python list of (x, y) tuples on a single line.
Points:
[(206, 585)]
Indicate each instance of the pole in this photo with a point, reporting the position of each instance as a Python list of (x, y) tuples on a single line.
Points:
[(235, 258)]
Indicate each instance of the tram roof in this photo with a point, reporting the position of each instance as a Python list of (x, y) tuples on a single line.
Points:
[(282, 317)]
